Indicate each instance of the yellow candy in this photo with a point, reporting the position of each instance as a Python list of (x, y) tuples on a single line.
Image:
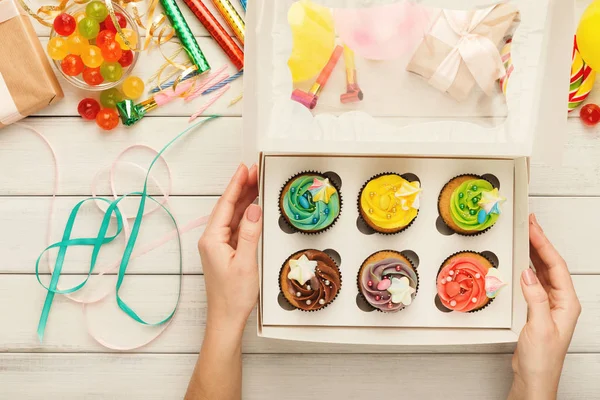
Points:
[(77, 43), (313, 37), (588, 36), (57, 48), (92, 56), (133, 87), (131, 37)]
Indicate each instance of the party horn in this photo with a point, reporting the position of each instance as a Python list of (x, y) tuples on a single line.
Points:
[(185, 35), (216, 30), (311, 98), (232, 18), (353, 92), (131, 113)]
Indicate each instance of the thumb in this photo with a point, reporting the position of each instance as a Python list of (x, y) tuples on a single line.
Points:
[(536, 297), (249, 234)]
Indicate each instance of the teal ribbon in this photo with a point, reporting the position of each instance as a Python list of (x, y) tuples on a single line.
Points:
[(103, 238)]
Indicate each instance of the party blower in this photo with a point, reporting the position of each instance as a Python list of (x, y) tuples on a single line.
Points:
[(353, 92), (131, 113), (310, 99)]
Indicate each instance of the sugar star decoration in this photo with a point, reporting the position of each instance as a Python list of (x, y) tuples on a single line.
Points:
[(401, 291), (322, 190), (491, 201), (302, 270), (406, 191)]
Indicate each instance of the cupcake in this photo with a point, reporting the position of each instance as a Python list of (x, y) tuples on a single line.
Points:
[(310, 203), (469, 205), (310, 280), (388, 281), (389, 203), (467, 282)]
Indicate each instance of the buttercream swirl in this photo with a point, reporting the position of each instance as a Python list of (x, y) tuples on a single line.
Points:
[(377, 281), (320, 290), (311, 203), (390, 201), (475, 205), (461, 284)]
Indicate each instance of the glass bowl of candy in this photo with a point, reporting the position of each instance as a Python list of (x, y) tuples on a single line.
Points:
[(88, 51)]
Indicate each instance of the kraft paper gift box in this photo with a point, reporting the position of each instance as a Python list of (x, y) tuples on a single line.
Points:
[(461, 49), (356, 142), (27, 82)]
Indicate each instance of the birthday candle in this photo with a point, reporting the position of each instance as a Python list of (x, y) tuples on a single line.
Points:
[(232, 17), (216, 30), (243, 3), (184, 33)]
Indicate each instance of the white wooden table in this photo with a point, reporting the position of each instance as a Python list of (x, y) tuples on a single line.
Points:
[(70, 365)]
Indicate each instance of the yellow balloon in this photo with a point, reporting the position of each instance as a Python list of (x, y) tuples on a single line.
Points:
[(313, 39), (588, 36)]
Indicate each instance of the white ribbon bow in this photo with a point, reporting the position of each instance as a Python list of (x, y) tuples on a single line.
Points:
[(478, 52)]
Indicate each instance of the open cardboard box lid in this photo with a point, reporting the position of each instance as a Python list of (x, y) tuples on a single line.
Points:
[(537, 97)]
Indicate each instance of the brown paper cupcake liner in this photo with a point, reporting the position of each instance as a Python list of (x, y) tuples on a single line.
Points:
[(325, 305), (360, 213), (478, 233), (286, 219), (463, 252), (364, 297)]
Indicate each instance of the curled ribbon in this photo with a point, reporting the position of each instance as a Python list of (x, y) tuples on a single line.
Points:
[(479, 53)]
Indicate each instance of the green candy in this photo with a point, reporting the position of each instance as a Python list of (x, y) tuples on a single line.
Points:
[(96, 10), (111, 71), (110, 97), (88, 28)]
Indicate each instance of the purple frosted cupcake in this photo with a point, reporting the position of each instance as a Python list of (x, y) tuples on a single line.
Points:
[(388, 281)]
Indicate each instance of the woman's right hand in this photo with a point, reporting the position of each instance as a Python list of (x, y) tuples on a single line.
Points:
[(553, 310)]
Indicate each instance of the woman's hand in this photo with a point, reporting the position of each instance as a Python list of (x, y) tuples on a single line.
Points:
[(228, 251), (553, 310)]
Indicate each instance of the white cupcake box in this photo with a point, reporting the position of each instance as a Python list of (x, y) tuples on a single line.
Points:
[(403, 125)]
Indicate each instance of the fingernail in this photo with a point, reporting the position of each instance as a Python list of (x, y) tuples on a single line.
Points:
[(535, 222), (254, 212), (529, 277)]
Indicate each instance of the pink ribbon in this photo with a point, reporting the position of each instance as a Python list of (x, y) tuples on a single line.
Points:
[(479, 53)]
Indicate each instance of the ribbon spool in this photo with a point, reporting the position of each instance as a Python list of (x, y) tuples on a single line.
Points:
[(582, 80)]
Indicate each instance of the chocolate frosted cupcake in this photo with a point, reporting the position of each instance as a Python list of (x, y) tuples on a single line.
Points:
[(310, 280), (469, 205), (467, 282), (388, 281), (310, 203), (389, 203)]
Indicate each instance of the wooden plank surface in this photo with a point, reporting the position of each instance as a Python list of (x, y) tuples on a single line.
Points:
[(293, 377), (26, 218), (204, 160), (153, 296)]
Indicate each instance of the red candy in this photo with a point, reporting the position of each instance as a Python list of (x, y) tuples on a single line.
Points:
[(72, 65), (107, 119), (104, 36), (88, 108), (590, 114), (126, 59), (64, 24), (108, 24), (111, 51), (92, 76)]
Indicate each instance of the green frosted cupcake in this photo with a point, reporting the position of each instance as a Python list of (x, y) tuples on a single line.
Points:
[(310, 203), (469, 204)]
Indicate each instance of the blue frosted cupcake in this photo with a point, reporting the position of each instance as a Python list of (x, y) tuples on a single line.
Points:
[(310, 203)]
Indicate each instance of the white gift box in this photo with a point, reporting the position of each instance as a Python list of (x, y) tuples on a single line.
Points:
[(403, 126)]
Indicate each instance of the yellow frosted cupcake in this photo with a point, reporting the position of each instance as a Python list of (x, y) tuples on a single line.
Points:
[(389, 203)]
